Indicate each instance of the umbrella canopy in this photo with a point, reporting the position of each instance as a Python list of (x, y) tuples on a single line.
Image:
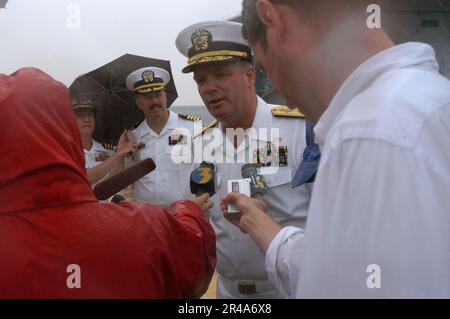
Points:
[(3, 4), (116, 109)]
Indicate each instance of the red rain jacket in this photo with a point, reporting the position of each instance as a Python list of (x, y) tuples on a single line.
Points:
[(50, 220)]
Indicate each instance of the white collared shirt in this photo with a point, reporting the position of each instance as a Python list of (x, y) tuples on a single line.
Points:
[(167, 183), (378, 225), (96, 155), (238, 257)]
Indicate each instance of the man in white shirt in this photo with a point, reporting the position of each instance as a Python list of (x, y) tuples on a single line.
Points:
[(221, 62), (380, 209), (157, 135)]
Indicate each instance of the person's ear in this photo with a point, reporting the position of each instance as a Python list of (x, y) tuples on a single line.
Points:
[(251, 75), (269, 16)]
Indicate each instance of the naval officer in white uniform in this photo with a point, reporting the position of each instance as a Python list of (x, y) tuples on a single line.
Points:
[(221, 62), (101, 160), (157, 135)]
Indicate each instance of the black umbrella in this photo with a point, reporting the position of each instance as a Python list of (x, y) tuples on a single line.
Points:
[(116, 109), (3, 3)]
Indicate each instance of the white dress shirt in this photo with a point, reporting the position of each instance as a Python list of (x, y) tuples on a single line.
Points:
[(378, 224), (96, 155), (167, 183), (238, 257)]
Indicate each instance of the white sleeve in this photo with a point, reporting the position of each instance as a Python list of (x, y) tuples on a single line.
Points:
[(283, 262), (377, 225)]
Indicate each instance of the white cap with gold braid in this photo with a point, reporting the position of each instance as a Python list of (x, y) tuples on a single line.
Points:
[(212, 42), (147, 80)]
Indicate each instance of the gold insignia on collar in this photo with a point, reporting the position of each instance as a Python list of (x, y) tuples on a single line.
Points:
[(284, 111), (200, 39), (148, 76)]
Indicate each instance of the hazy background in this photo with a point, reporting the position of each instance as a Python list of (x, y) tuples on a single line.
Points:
[(42, 34)]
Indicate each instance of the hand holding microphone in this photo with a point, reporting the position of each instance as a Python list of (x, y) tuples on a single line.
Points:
[(251, 211), (251, 216), (202, 180), (258, 184), (252, 185), (203, 203), (202, 183)]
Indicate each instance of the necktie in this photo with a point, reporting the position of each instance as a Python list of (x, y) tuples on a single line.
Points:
[(311, 156)]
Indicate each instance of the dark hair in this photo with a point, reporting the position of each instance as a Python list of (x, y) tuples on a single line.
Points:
[(310, 11), (253, 29)]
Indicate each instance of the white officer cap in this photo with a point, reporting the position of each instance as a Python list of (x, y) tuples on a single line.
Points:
[(212, 42), (149, 79)]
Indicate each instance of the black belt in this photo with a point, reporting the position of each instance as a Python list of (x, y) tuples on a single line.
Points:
[(247, 287)]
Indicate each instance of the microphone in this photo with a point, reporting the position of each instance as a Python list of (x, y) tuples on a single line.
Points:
[(258, 184), (116, 183), (252, 184), (202, 179), (117, 198)]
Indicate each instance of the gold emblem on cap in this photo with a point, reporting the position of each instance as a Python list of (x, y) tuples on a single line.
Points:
[(200, 39), (148, 76), (84, 100)]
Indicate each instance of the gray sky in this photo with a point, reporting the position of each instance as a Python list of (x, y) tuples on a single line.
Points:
[(44, 34)]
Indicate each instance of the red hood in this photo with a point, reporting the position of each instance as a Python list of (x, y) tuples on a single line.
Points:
[(37, 137), (50, 219)]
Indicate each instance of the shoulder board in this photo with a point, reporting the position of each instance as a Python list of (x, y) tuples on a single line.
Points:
[(188, 117), (108, 146), (206, 127), (284, 111)]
